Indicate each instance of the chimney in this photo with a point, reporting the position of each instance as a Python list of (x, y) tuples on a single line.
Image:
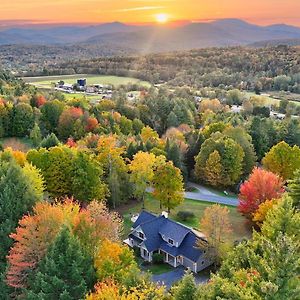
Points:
[(165, 214)]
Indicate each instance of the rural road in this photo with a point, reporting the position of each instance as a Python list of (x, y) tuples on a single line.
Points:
[(203, 193)]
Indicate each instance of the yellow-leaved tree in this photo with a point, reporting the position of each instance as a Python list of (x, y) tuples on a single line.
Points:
[(168, 185), (142, 172), (215, 225)]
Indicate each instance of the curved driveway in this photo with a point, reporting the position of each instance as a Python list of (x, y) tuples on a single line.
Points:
[(203, 194)]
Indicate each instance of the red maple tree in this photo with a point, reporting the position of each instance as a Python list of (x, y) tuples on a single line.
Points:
[(262, 185)]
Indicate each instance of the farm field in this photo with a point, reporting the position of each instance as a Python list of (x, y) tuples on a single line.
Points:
[(239, 224), (269, 100), (47, 82)]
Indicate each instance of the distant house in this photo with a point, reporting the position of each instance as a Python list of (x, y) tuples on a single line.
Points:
[(176, 242)]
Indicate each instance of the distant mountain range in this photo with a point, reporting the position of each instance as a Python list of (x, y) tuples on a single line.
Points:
[(145, 39)]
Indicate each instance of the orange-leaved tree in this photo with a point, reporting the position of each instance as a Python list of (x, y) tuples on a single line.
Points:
[(262, 185), (36, 232)]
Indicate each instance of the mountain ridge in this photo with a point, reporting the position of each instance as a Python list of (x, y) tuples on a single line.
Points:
[(152, 38)]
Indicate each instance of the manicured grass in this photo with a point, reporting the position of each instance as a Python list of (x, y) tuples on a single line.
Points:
[(157, 269), (240, 227), (48, 81), (21, 144)]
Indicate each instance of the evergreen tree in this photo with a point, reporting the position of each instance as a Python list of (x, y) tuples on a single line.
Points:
[(17, 197), (186, 288), (49, 141), (35, 135), (294, 189), (65, 273), (172, 120), (173, 154)]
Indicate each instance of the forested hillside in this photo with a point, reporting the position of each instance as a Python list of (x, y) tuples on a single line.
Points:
[(60, 230), (271, 68)]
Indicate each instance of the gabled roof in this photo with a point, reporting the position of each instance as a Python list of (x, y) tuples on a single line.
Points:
[(154, 227), (151, 229), (144, 217), (174, 231)]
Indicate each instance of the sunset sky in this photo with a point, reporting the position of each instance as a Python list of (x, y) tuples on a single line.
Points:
[(144, 11)]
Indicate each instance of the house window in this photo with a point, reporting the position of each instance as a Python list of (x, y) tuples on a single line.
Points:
[(141, 235), (202, 262), (170, 241)]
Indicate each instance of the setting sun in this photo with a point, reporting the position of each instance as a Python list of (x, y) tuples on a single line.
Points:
[(162, 18)]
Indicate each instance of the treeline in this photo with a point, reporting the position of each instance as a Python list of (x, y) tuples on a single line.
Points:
[(271, 68)]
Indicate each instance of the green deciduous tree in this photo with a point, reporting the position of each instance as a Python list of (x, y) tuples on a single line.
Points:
[(283, 160), (231, 155), (22, 119), (168, 185), (51, 112), (87, 173)]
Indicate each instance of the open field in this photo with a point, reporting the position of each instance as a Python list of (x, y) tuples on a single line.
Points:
[(20, 144), (269, 100), (49, 81), (239, 224), (80, 96)]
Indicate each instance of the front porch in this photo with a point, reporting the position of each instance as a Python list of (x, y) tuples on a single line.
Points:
[(170, 259)]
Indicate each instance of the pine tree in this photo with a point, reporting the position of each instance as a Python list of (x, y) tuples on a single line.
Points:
[(49, 141), (294, 189), (35, 135), (17, 197), (186, 289), (66, 272)]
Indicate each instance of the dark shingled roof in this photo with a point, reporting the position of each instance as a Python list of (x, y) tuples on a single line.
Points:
[(144, 217), (174, 231), (155, 226), (137, 239)]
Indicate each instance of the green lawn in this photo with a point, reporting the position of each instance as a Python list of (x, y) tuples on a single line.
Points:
[(157, 269), (240, 227), (48, 81)]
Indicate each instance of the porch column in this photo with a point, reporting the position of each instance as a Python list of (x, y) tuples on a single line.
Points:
[(175, 262), (167, 257)]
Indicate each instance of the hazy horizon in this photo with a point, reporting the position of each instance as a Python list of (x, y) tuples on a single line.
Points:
[(35, 12)]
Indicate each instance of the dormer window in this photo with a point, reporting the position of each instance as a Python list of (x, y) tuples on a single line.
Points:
[(170, 241), (141, 235)]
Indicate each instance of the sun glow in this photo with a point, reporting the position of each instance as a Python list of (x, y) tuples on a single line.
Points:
[(162, 18)]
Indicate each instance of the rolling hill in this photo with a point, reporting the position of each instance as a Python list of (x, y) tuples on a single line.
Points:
[(226, 32)]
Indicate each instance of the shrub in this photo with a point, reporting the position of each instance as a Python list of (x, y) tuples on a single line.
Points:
[(185, 215), (157, 258)]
